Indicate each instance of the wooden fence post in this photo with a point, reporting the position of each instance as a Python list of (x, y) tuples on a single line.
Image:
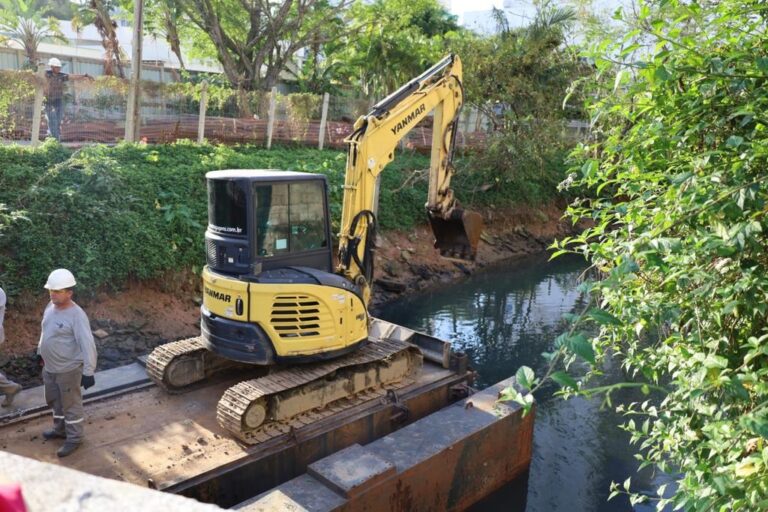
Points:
[(37, 111), (203, 107), (271, 116), (323, 121), (133, 108)]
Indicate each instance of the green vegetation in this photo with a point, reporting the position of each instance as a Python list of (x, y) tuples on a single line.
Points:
[(518, 79), (15, 88), (137, 211), (28, 24), (678, 196)]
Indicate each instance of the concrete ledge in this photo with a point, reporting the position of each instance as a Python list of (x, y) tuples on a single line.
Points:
[(47, 487), (31, 401), (351, 471), (446, 461)]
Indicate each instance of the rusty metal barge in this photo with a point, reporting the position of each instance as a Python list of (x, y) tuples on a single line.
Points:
[(423, 445)]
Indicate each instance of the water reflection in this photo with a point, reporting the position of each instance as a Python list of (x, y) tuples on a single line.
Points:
[(505, 317)]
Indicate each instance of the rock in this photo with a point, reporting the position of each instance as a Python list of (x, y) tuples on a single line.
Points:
[(405, 255), (109, 355), (423, 271), (138, 324), (487, 239), (390, 268), (462, 267), (100, 333), (390, 285)]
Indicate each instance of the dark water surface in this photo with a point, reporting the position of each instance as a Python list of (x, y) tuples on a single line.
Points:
[(504, 317)]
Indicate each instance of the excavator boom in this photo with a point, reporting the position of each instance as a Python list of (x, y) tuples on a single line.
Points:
[(372, 145)]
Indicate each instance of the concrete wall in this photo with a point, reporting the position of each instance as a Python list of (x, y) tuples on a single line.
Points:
[(48, 487)]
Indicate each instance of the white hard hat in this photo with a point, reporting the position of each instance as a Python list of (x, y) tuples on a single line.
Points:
[(54, 62), (60, 279)]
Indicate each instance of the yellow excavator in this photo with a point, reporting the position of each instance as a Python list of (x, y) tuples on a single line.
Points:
[(271, 296)]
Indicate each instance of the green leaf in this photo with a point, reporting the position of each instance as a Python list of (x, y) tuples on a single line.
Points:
[(525, 377), (734, 141), (756, 424), (564, 380), (661, 74), (581, 346), (603, 317), (509, 394)]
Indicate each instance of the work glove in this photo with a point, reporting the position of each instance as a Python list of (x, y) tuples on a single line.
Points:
[(87, 381)]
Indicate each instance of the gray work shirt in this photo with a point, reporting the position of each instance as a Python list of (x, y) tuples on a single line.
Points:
[(2, 315), (66, 341)]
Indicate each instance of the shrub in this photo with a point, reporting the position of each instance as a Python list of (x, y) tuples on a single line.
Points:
[(137, 211)]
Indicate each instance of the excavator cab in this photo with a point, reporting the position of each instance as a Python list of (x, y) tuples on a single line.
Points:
[(270, 295), (260, 220)]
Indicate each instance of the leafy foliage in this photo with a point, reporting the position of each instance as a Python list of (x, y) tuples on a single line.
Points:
[(394, 41), (135, 211), (518, 79), (15, 88), (253, 41), (28, 24), (676, 178)]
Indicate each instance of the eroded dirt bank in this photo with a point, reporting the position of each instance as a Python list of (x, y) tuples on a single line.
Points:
[(130, 322)]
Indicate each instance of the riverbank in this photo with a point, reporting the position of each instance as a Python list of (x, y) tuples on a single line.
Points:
[(131, 321)]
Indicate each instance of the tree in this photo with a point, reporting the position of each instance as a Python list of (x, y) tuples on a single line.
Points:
[(320, 69), (25, 24), (518, 78), (394, 40), (675, 185), (163, 18), (97, 13), (255, 41)]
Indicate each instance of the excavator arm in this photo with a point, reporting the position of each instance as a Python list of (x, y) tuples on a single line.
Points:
[(371, 147)]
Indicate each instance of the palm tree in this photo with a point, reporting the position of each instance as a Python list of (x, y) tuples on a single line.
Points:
[(96, 12), (23, 22)]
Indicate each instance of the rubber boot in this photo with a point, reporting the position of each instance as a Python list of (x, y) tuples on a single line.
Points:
[(67, 448)]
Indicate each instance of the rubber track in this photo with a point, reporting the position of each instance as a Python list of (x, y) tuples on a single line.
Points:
[(162, 355), (237, 398)]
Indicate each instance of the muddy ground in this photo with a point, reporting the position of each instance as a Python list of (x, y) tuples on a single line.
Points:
[(130, 322)]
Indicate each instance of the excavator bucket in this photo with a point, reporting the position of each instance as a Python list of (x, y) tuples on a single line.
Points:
[(458, 236)]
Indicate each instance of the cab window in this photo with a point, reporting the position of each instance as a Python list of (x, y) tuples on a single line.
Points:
[(289, 218), (226, 207)]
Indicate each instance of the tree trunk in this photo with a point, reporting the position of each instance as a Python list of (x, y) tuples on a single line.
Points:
[(172, 34)]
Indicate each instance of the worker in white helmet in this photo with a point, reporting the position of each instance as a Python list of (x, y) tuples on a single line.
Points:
[(54, 95), (7, 387), (69, 360)]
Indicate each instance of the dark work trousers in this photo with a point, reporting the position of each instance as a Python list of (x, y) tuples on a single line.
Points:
[(63, 395), (54, 111)]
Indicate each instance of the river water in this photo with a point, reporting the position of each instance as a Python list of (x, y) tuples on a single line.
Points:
[(504, 317)]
